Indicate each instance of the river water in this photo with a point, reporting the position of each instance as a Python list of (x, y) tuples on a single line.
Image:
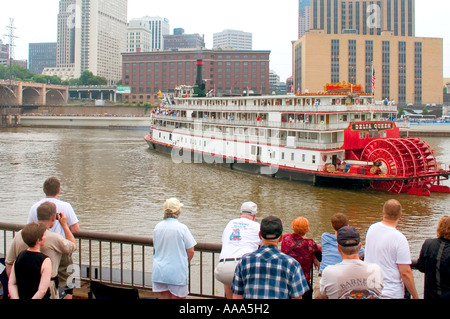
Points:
[(116, 184)]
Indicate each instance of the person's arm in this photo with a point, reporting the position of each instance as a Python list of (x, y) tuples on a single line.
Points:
[(75, 228), (12, 285), (8, 270), (190, 253), (46, 276), (408, 279), (62, 218), (238, 296)]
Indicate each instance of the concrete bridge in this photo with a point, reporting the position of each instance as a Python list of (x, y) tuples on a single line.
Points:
[(14, 93), (110, 93)]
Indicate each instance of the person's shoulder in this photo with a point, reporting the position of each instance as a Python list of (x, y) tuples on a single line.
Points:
[(327, 235), (310, 241), (34, 207), (288, 236)]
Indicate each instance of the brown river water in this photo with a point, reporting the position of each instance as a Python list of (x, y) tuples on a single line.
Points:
[(116, 184)]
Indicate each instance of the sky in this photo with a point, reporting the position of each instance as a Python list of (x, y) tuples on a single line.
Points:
[(272, 23)]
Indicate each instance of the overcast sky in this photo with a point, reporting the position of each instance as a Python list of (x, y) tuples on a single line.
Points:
[(272, 23)]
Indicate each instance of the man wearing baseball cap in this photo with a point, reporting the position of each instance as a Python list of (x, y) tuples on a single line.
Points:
[(240, 237), (268, 273), (352, 278)]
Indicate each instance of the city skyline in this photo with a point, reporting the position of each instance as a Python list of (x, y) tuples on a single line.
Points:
[(274, 27)]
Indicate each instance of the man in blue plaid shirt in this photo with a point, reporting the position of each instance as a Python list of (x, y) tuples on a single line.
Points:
[(268, 273)]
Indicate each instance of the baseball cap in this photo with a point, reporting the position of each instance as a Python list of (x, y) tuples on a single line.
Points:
[(271, 227), (249, 208), (348, 236), (173, 205)]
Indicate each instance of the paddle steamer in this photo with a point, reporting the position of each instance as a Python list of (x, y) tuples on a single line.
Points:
[(337, 137)]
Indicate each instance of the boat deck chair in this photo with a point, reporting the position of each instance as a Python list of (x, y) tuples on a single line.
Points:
[(101, 291)]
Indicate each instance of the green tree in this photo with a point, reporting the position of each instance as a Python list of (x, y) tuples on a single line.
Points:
[(88, 78)]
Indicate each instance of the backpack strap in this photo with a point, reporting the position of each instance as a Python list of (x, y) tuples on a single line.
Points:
[(295, 245)]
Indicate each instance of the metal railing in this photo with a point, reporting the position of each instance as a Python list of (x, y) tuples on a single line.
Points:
[(127, 261)]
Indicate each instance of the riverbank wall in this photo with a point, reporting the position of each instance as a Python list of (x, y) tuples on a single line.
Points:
[(427, 130), (77, 116), (79, 121)]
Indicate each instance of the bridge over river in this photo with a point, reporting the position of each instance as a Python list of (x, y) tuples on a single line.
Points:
[(16, 93)]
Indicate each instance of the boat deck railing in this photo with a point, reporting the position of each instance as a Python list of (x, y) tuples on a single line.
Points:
[(285, 108), (272, 124), (127, 261), (284, 105)]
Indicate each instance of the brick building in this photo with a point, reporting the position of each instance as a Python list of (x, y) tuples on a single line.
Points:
[(225, 72)]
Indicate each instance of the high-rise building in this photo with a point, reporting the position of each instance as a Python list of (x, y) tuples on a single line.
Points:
[(181, 40), (236, 39), (4, 52), (139, 36), (159, 28), (364, 17), (372, 44), (303, 17), (65, 45), (41, 55), (91, 37), (274, 81)]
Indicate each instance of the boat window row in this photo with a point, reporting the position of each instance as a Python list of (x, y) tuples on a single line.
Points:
[(276, 101)]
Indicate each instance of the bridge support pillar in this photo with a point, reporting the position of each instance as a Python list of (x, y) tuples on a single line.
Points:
[(19, 94), (44, 94)]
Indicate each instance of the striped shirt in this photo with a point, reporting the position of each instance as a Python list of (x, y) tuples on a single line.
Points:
[(269, 274)]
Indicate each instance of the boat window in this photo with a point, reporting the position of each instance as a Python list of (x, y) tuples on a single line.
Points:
[(314, 159)]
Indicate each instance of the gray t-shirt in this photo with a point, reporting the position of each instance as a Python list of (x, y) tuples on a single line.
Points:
[(351, 275)]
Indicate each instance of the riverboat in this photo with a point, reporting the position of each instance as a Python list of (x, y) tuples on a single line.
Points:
[(337, 137)]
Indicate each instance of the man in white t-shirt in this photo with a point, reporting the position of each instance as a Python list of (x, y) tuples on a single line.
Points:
[(240, 237), (52, 189), (389, 248), (351, 278)]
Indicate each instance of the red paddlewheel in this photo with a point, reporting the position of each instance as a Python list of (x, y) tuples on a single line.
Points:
[(402, 157)]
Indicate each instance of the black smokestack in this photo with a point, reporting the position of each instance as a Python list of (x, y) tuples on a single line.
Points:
[(199, 73), (200, 89)]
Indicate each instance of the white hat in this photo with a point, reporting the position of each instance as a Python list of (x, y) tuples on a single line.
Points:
[(173, 205), (249, 208)]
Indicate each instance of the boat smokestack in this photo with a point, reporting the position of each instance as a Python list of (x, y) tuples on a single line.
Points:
[(200, 84), (199, 73)]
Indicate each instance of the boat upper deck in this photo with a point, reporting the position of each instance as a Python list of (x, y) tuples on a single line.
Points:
[(310, 103)]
